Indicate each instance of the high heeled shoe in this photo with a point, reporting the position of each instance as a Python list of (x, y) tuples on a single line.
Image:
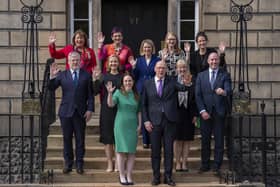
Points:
[(122, 183)]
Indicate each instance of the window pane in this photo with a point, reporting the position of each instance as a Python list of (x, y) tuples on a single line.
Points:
[(187, 31), (187, 10), (81, 9), (83, 25)]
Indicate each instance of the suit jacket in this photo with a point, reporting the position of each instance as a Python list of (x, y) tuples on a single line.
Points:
[(78, 98), (206, 98), (154, 106), (143, 72)]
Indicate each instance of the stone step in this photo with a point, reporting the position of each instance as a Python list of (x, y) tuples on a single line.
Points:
[(93, 140), (139, 176), (116, 184), (98, 151), (91, 128), (101, 163)]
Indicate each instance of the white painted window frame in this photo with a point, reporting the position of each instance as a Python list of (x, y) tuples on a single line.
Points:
[(89, 19), (196, 20)]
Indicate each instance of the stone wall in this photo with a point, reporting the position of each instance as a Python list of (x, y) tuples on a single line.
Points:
[(12, 43), (263, 44)]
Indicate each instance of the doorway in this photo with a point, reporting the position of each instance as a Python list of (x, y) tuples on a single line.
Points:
[(139, 20)]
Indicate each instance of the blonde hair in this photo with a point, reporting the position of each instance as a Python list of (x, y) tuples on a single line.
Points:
[(176, 47), (185, 64), (109, 58), (150, 42)]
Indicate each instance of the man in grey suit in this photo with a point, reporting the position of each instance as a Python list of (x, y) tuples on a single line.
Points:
[(75, 110), (159, 111), (212, 87)]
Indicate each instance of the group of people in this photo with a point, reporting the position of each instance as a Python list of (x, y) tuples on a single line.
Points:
[(159, 96)]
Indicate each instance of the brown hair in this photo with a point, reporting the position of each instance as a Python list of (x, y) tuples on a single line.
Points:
[(150, 42), (83, 34), (136, 95)]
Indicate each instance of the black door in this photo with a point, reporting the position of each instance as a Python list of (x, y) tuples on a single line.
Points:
[(139, 20)]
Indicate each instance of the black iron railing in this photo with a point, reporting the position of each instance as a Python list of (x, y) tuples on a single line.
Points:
[(254, 150), (21, 148), (23, 141)]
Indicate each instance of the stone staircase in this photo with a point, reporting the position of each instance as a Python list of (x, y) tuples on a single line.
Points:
[(95, 163)]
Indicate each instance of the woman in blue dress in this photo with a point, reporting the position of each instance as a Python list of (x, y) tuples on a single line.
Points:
[(143, 69)]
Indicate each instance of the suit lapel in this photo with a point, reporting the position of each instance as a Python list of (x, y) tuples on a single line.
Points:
[(218, 77), (206, 77), (154, 86), (69, 76), (165, 84)]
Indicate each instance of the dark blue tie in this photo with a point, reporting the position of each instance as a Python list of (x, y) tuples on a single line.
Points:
[(212, 80), (75, 80)]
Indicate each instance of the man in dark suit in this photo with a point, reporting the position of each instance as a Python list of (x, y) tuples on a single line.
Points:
[(75, 110), (212, 87), (159, 109)]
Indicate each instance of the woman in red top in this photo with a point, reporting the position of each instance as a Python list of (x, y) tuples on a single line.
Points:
[(79, 44), (117, 47)]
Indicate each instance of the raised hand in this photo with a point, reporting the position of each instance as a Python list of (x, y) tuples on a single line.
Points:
[(96, 73), (100, 37), (109, 87), (54, 70), (187, 47), (132, 61), (222, 47), (164, 54), (52, 38)]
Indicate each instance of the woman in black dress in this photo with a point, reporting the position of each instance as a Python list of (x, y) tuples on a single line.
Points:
[(107, 114), (187, 117), (198, 59)]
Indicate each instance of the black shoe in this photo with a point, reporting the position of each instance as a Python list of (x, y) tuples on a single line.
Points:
[(80, 171), (146, 146), (122, 183), (203, 169), (216, 171), (169, 181), (130, 183), (178, 170), (66, 170), (155, 182)]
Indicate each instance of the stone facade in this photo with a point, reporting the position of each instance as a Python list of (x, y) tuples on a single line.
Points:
[(12, 43), (263, 43), (263, 46)]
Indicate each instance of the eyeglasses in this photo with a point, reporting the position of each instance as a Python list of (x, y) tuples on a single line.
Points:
[(171, 38)]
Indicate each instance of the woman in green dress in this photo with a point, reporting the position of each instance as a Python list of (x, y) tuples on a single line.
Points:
[(127, 124)]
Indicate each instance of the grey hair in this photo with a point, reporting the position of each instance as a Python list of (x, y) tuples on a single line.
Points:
[(73, 53)]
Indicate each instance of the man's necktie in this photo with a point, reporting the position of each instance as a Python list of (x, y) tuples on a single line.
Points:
[(159, 91), (212, 80), (75, 80)]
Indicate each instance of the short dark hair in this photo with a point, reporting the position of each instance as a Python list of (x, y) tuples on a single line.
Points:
[(115, 30)]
